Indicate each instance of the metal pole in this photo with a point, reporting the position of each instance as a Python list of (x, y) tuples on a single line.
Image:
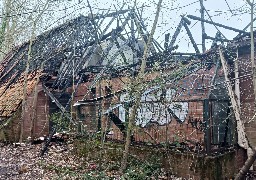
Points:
[(202, 25)]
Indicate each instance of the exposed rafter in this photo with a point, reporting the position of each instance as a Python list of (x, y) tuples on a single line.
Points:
[(183, 22)]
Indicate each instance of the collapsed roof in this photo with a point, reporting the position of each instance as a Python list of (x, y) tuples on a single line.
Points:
[(68, 51)]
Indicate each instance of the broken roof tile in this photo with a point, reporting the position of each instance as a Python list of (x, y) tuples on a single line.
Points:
[(11, 96)]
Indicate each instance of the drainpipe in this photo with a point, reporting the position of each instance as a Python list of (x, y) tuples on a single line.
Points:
[(237, 81), (206, 118), (99, 123)]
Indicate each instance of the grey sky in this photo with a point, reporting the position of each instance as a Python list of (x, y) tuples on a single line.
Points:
[(170, 16)]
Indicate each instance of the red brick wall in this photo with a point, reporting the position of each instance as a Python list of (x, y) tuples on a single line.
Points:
[(189, 165), (90, 119), (174, 131), (40, 114), (247, 97), (197, 85)]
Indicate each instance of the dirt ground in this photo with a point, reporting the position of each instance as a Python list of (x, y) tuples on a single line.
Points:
[(23, 162)]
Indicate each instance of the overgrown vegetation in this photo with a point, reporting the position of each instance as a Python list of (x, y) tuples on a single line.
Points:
[(60, 121), (147, 167), (103, 160)]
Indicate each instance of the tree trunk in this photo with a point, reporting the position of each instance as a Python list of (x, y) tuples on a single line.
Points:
[(242, 140), (25, 87), (246, 166), (138, 82), (249, 162), (27, 71)]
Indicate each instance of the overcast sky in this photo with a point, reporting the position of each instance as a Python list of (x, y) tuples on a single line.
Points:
[(232, 13)]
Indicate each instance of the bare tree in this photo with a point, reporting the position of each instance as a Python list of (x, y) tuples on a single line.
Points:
[(35, 23), (136, 91), (18, 17), (252, 157)]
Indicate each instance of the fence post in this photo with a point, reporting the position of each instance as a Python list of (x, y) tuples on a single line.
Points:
[(206, 118)]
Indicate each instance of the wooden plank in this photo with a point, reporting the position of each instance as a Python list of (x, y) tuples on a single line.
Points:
[(242, 140), (64, 112)]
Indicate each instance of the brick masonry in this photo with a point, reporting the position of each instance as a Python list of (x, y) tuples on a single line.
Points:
[(196, 166), (35, 120), (247, 97), (197, 85)]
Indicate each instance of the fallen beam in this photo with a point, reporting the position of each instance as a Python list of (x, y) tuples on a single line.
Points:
[(109, 14), (191, 37), (216, 24), (248, 25), (216, 39), (57, 103), (175, 35), (184, 54), (242, 140), (115, 119)]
